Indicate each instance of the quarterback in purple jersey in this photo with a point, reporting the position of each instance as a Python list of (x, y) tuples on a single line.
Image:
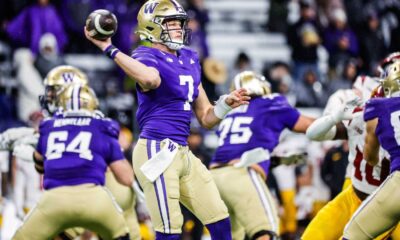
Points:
[(381, 210), (73, 152), (247, 136), (169, 89)]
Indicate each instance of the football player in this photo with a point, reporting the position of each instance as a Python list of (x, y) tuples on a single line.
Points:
[(56, 80), (169, 89), (379, 212), (345, 122), (247, 136), (73, 152)]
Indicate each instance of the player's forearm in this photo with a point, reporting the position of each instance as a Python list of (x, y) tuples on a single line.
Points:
[(371, 146), (147, 77), (123, 172), (371, 156), (208, 119), (324, 128)]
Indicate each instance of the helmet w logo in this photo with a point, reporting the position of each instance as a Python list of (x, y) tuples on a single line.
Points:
[(68, 77), (149, 8)]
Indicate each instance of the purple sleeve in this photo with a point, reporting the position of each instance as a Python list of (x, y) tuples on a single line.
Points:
[(115, 152), (146, 58), (40, 147), (288, 115), (42, 133), (110, 127), (372, 109)]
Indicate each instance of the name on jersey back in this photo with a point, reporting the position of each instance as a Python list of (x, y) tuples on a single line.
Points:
[(72, 121)]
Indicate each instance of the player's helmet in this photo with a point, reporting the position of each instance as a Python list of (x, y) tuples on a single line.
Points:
[(254, 83), (56, 80), (391, 84), (365, 85), (77, 98), (386, 62), (151, 19)]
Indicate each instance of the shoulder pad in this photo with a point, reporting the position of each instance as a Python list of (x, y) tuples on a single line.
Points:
[(373, 108), (109, 127)]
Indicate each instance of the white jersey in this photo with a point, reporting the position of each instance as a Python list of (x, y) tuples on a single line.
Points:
[(364, 177)]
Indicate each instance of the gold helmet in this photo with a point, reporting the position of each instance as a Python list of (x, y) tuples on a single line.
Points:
[(76, 97), (151, 23), (254, 83), (391, 84), (56, 80)]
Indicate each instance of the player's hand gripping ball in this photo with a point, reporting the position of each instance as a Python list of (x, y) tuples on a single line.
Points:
[(101, 24)]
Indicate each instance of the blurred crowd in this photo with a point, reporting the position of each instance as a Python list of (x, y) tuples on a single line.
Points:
[(331, 42)]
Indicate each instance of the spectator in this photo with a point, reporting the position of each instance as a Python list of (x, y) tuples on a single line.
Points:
[(49, 56), (242, 63), (372, 46), (304, 39), (310, 92), (28, 27), (281, 81), (200, 12), (346, 78), (214, 74), (333, 169), (340, 40), (30, 84), (199, 37)]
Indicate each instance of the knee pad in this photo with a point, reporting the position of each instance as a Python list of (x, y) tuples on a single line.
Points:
[(272, 235), (125, 237)]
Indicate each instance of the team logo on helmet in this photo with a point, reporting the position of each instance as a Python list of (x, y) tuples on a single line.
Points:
[(152, 23), (56, 80)]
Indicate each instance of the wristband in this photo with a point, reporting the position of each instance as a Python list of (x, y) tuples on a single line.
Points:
[(221, 108), (111, 51)]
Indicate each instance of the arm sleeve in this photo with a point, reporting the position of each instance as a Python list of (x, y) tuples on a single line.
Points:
[(146, 58), (288, 114), (115, 152), (40, 148), (372, 109)]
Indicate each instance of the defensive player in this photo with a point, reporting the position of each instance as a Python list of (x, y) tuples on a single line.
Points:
[(380, 212), (345, 122), (169, 88), (73, 152), (248, 135)]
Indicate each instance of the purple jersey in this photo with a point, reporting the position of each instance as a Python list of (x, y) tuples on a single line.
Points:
[(77, 150), (387, 110), (258, 124), (165, 112)]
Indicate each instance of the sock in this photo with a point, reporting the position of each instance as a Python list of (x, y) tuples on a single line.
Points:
[(220, 230), (164, 236)]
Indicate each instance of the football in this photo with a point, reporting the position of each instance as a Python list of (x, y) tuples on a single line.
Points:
[(101, 24)]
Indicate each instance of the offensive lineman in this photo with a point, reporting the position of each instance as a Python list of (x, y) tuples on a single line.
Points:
[(74, 161), (247, 136)]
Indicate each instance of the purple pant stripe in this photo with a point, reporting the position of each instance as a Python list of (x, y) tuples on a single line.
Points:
[(164, 189), (149, 155)]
